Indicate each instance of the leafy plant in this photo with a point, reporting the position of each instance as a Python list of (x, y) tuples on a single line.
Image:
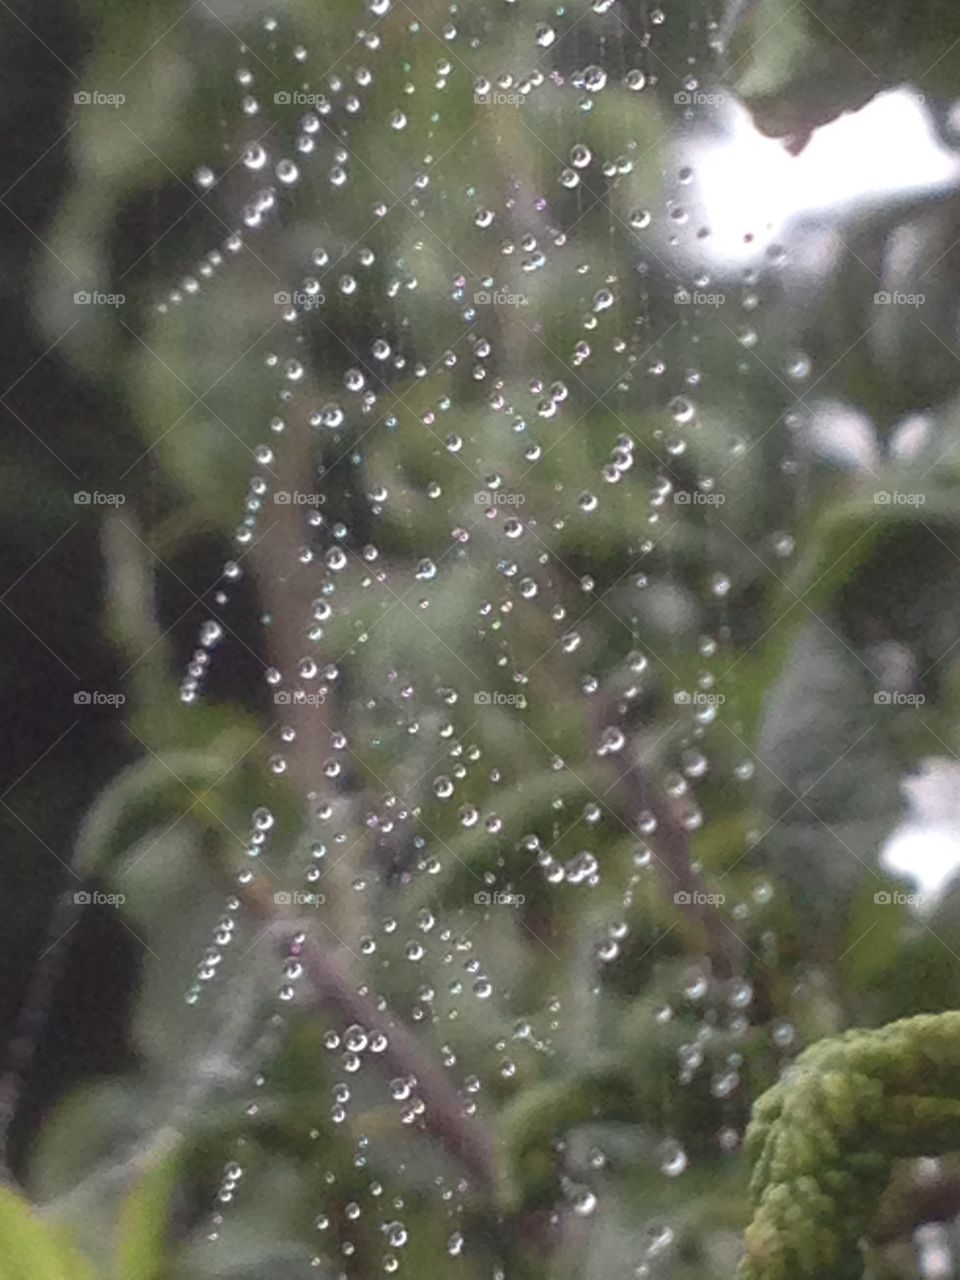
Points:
[(496, 803)]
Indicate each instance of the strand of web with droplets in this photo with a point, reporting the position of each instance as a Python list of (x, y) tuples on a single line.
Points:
[(256, 215), (211, 634)]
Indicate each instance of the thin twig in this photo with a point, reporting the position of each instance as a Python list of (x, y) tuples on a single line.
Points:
[(333, 989), (671, 841)]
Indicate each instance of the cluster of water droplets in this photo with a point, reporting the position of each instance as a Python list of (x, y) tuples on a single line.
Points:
[(488, 296)]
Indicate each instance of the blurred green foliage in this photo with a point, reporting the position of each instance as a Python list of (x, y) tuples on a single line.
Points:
[(591, 1038)]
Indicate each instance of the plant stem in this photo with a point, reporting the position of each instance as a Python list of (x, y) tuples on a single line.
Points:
[(334, 990)]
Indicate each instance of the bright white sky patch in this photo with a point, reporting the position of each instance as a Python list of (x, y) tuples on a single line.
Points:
[(749, 183), (925, 848)]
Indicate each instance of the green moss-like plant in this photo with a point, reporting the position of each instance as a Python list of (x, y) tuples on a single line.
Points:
[(824, 1138)]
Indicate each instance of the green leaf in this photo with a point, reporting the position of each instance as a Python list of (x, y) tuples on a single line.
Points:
[(148, 792), (32, 1249), (829, 776), (142, 1229)]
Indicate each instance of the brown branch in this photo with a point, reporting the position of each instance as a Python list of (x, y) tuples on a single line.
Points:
[(671, 843), (275, 563), (334, 990)]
